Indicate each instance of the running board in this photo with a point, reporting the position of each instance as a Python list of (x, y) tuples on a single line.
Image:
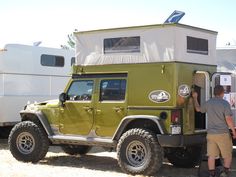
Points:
[(82, 140), (200, 131)]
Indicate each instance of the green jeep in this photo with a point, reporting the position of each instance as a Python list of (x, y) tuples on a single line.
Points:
[(118, 109), (131, 94)]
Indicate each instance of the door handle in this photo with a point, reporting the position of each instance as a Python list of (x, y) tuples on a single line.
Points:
[(87, 108), (98, 111), (118, 109)]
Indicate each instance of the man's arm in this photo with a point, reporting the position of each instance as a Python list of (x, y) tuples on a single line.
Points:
[(230, 123), (195, 102)]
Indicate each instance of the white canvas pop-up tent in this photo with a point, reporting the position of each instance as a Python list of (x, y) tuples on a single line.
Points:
[(145, 44)]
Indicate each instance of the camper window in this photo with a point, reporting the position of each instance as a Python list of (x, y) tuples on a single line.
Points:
[(197, 45), (52, 60), (72, 61), (122, 45)]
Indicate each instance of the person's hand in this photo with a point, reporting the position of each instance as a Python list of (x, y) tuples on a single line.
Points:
[(194, 95), (234, 134)]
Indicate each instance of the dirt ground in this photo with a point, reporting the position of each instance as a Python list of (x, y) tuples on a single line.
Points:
[(96, 163)]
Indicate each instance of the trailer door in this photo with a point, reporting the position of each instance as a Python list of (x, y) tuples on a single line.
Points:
[(227, 80), (224, 79)]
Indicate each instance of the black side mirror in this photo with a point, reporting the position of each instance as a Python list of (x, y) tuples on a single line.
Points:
[(63, 97)]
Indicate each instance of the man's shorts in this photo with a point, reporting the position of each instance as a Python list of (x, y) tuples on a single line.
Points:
[(219, 144)]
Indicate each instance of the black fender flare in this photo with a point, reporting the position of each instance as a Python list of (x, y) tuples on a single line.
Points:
[(42, 119), (126, 120)]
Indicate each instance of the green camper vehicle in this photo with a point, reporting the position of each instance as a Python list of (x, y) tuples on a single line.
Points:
[(130, 91)]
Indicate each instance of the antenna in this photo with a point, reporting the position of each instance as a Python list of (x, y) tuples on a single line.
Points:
[(37, 43), (175, 17)]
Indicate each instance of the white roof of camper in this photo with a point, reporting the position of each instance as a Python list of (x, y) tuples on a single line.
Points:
[(158, 43), (25, 59)]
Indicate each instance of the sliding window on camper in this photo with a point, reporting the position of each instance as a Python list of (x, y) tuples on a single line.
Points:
[(197, 45), (122, 45)]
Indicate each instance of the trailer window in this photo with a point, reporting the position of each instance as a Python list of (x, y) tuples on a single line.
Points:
[(72, 61), (122, 45), (52, 60), (197, 45)]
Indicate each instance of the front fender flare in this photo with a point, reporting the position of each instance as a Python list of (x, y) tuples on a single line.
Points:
[(42, 119)]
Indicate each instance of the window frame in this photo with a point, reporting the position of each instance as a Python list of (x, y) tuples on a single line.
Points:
[(72, 61), (115, 50), (197, 50), (55, 58), (112, 79), (79, 80)]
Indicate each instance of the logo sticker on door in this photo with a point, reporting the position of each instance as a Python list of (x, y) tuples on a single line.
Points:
[(184, 90), (159, 96)]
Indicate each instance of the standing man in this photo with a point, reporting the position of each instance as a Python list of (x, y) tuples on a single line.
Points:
[(219, 121)]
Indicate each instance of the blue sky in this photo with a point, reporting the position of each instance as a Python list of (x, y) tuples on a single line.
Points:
[(49, 21)]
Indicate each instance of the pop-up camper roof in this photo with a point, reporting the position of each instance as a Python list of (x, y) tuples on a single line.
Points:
[(146, 44)]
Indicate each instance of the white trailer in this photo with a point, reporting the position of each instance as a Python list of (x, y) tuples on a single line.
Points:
[(226, 63), (30, 74)]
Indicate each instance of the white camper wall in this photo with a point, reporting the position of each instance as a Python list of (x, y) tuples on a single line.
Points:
[(181, 53), (23, 59), (23, 78), (155, 46), (226, 59), (158, 43), (22, 74)]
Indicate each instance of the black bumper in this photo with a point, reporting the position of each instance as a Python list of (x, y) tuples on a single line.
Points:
[(181, 140)]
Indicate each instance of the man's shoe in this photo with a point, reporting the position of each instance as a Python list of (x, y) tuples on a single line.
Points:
[(223, 174)]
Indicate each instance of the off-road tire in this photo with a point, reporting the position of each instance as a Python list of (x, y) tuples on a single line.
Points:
[(74, 150), (130, 147), (28, 142), (187, 157)]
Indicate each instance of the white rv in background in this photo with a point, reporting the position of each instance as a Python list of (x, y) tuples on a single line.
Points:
[(30, 74), (226, 63)]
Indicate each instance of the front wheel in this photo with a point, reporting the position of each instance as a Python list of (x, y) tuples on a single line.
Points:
[(28, 142), (187, 157), (139, 152)]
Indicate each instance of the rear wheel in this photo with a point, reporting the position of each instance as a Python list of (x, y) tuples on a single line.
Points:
[(28, 142), (73, 149), (139, 152), (187, 157)]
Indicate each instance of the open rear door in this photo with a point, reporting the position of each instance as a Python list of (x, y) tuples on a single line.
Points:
[(201, 85)]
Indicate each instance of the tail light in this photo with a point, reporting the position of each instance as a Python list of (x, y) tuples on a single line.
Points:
[(175, 127), (175, 116)]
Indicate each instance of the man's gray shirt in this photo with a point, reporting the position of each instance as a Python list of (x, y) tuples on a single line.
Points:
[(217, 109)]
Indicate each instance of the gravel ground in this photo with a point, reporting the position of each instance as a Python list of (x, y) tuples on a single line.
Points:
[(96, 163)]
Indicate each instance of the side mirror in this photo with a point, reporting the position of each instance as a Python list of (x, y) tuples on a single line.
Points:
[(63, 97)]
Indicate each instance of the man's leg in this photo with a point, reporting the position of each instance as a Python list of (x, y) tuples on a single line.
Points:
[(227, 162), (212, 152), (211, 165), (226, 149)]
